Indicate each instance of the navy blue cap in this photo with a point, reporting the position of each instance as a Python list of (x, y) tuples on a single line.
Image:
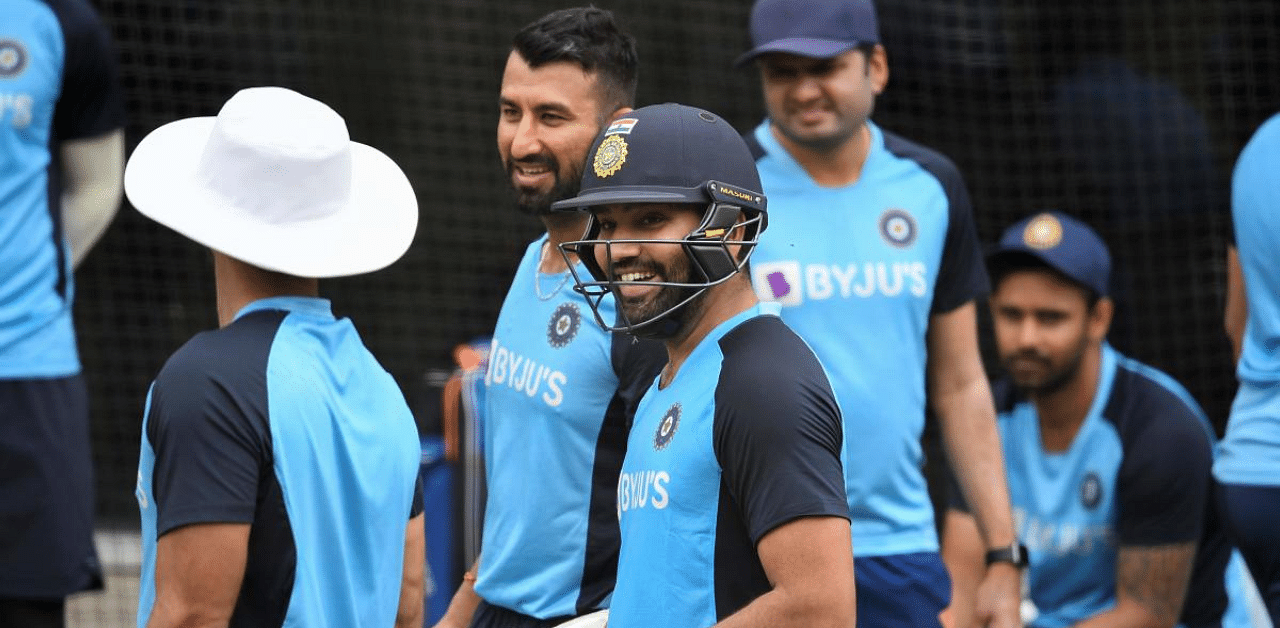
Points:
[(1064, 243), (820, 29), (668, 153)]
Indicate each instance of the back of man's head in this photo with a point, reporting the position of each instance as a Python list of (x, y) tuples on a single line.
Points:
[(590, 38)]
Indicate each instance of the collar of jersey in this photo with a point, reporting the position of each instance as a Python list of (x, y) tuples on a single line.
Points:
[(763, 308), (313, 306), (775, 148)]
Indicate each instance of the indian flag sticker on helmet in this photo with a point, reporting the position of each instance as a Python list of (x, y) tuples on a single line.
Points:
[(623, 125), (610, 156)]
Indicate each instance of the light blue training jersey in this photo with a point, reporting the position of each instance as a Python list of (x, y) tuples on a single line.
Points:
[(859, 270), (1250, 451), (744, 439), (283, 420), (57, 83), (559, 396), (1136, 473)]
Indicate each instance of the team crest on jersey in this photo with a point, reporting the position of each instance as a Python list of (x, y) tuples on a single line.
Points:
[(1091, 490), (13, 58), (667, 428), (898, 228), (1043, 232), (564, 325), (610, 156)]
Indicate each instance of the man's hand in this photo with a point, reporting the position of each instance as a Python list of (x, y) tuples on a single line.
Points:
[(999, 598), (464, 602)]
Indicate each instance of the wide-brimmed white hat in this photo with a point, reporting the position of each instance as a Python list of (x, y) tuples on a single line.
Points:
[(275, 181)]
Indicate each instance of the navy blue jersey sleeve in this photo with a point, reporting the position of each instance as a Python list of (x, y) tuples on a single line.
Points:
[(91, 101), (777, 431), (208, 426), (962, 275), (1163, 482)]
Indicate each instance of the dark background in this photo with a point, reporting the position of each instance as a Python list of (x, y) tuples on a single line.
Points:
[(1126, 113)]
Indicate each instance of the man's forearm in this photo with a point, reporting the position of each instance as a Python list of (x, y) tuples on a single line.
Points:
[(967, 420), (463, 605), (92, 187)]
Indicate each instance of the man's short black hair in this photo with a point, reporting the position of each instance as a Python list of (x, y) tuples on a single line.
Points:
[(1004, 264), (590, 38)]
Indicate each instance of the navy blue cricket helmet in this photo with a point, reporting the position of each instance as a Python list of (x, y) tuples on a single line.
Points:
[(670, 153)]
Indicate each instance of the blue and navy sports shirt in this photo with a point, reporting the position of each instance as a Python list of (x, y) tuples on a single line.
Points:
[(285, 421), (745, 439), (57, 83), (859, 271), (559, 395), (1136, 473), (1250, 451)]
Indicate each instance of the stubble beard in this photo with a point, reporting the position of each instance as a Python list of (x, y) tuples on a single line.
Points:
[(538, 204), (1054, 380), (641, 309)]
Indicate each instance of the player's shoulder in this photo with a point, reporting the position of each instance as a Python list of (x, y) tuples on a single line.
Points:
[(930, 159), (217, 354), (1147, 405), (762, 355)]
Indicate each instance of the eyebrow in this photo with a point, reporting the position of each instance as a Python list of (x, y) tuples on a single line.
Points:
[(539, 108)]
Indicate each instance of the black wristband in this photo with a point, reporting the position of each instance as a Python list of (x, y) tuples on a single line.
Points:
[(1015, 555)]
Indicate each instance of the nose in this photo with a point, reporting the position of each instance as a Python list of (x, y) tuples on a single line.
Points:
[(806, 88), (619, 248), (525, 140), (1027, 333)]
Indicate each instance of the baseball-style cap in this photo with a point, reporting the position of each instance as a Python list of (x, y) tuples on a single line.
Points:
[(668, 153), (1064, 243), (811, 28)]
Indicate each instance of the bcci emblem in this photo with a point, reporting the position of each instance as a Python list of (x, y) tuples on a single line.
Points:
[(564, 325), (667, 428), (610, 156), (13, 58), (1043, 232), (1091, 490), (898, 228)]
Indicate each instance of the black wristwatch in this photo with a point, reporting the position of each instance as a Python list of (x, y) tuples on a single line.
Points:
[(1015, 555)]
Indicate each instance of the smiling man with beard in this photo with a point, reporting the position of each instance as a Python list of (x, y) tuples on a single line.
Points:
[(1108, 459), (731, 497), (559, 391)]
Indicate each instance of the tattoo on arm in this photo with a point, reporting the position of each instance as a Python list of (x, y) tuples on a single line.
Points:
[(1155, 577)]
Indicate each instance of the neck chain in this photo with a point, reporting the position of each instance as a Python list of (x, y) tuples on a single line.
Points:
[(537, 276)]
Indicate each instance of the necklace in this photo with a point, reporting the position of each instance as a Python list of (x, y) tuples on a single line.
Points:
[(537, 276)]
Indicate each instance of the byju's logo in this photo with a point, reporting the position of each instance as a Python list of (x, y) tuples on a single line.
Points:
[(779, 281)]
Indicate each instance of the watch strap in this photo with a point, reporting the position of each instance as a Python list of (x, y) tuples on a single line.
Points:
[(1015, 554)]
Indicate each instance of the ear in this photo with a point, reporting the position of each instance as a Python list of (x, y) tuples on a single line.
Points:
[(622, 111), (1099, 321), (878, 68)]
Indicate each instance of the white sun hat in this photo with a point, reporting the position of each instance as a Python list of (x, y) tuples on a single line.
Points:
[(275, 181)]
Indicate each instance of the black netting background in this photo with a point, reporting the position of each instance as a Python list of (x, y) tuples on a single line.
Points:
[(1127, 113)]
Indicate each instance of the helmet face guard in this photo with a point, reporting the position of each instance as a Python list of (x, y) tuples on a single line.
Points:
[(708, 249)]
